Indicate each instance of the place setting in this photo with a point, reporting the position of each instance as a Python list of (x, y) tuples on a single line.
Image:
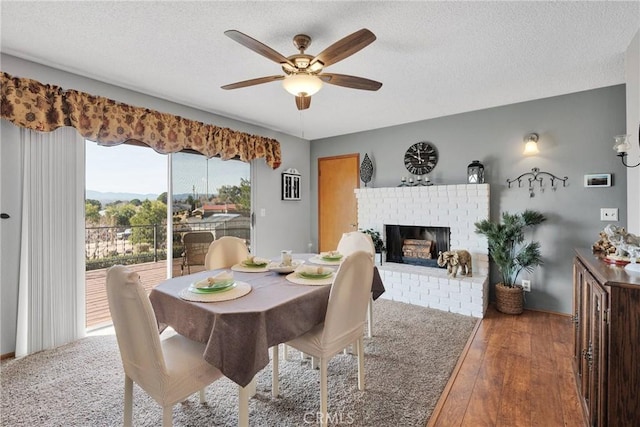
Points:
[(327, 258), (220, 287), (286, 264), (252, 264), (312, 275)]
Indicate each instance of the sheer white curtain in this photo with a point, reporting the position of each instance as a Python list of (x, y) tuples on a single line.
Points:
[(51, 295)]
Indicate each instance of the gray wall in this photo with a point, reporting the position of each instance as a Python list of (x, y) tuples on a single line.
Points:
[(285, 225), (576, 138)]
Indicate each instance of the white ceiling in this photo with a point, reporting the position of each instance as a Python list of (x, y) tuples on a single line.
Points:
[(433, 58)]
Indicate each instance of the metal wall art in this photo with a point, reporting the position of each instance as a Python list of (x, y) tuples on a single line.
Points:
[(366, 170), (291, 184), (536, 175)]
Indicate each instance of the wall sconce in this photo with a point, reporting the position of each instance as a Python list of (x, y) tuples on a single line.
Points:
[(622, 146), (531, 144)]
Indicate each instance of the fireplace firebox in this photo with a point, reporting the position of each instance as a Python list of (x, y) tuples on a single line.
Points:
[(416, 245)]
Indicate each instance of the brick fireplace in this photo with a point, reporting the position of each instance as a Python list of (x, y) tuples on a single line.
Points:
[(456, 207)]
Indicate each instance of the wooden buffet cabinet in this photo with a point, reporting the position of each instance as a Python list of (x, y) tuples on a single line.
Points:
[(606, 358)]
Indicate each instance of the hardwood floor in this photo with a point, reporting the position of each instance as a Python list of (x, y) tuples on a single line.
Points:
[(517, 372)]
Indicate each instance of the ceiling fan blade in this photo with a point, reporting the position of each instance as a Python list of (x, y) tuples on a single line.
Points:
[(252, 82), (303, 102), (352, 82), (258, 47), (345, 47)]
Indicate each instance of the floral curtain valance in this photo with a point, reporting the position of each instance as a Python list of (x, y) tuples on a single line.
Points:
[(31, 104)]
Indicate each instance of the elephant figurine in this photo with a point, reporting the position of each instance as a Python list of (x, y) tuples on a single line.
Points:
[(456, 260)]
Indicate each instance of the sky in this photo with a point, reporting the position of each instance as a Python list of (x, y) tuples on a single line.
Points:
[(131, 169)]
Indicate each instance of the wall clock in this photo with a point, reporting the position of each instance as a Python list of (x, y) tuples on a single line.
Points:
[(421, 158)]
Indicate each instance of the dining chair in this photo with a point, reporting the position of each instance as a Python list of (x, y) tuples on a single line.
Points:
[(359, 241), (196, 245), (169, 370), (343, 323), (225, 252)]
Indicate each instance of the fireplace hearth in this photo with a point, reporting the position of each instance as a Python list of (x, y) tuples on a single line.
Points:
[(416, 245)]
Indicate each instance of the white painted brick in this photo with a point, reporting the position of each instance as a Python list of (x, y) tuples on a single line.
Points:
[(439, 293), (454, 206)]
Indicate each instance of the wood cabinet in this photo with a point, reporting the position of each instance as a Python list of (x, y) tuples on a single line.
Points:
[(606, 358)]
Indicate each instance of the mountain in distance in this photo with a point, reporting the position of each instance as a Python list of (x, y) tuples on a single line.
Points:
[(109, 197)]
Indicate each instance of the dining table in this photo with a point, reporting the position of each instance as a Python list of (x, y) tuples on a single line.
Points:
[(239, 332)]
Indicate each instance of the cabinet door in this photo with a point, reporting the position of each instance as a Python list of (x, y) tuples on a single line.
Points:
[(597, 355), (578, 275), (585, 337)]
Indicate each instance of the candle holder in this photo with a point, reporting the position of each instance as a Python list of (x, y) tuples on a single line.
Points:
[(403, 182)]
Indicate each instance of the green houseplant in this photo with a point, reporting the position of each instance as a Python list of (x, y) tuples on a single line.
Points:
[(511, 254), (378, 243)]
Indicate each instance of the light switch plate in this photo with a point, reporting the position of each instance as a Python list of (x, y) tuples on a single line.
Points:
[(608, 214)]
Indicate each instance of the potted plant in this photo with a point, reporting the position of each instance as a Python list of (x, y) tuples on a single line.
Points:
[(377, 241), (511, 254)]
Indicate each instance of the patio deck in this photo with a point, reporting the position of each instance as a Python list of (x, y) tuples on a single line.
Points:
[(151, 274)]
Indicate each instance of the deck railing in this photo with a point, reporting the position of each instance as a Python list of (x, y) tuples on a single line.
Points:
[(105, 246)]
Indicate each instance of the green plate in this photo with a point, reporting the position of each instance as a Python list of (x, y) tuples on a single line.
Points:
[(253, 265), (315, 275), (332, 258), (213, 289)]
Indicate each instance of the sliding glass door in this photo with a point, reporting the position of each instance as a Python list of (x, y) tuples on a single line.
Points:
[(210, 198)]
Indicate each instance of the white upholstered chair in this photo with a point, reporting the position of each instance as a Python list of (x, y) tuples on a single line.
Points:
[(359, 241), (343, 323), (225, 252), (169, 370)]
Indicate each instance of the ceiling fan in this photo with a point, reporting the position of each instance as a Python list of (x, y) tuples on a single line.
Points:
[(303, 74)]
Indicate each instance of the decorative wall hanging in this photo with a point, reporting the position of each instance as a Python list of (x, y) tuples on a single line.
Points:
[(421, 158), (366, 170), (597, 180), (291, 184), (537, 175)]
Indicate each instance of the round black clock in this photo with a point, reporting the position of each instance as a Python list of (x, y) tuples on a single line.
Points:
[(421, 158)]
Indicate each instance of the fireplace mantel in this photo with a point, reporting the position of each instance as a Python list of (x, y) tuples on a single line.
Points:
[(455, 206)]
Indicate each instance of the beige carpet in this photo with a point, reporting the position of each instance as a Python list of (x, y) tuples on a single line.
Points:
[(408, 363)]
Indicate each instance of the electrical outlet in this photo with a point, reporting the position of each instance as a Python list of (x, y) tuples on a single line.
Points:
[(608, 214), (526, 285)]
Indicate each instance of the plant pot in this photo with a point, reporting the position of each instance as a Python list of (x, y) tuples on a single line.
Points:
[(509, 300)]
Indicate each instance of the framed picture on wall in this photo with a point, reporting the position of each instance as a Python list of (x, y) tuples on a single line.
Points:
[(597, 180), (290, 185)]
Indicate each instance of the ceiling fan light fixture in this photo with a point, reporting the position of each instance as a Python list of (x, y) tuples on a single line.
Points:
[(299, 84)]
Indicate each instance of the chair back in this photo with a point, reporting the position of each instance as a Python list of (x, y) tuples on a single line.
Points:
[(136, 328), (225, 252), (356, 241), (196, 245), (349, 297)]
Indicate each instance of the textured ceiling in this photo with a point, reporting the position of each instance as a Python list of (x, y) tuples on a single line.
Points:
[(433, 58)]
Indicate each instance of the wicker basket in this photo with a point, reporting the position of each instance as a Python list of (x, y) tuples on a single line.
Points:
[(509, 300)]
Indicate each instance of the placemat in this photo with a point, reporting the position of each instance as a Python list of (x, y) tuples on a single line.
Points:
[(243, 269), (294, 278), (240, 290), (317, 260)]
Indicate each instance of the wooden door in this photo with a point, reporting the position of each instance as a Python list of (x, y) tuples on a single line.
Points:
[(597, 355), (338, 177), (587, 282), (578, 277)]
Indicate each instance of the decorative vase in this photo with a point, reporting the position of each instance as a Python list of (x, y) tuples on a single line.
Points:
[(366, 170), (509, 300)]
